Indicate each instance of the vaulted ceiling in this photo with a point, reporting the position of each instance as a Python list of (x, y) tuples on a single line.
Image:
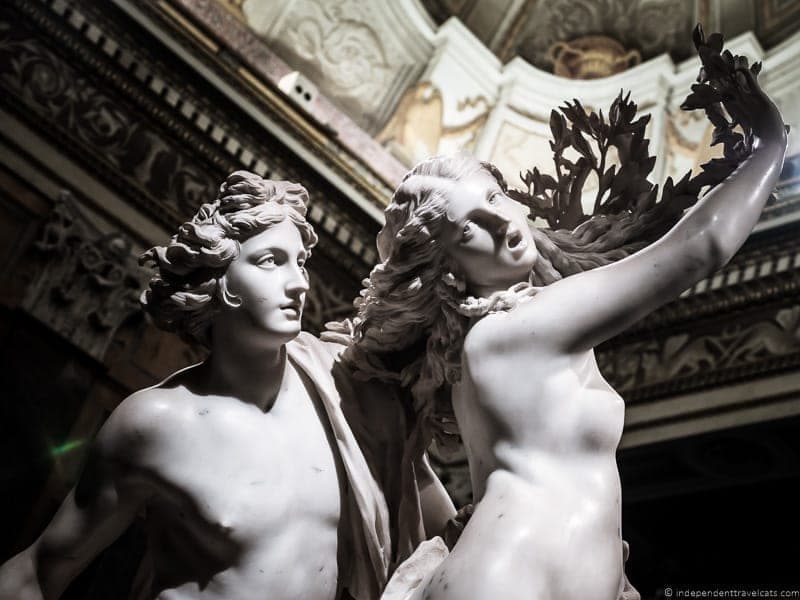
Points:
[(531, 28)]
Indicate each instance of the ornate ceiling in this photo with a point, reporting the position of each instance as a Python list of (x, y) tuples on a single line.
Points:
[(531, 28)]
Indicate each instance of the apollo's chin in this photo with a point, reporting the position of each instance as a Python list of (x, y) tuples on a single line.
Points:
[(282, 323)]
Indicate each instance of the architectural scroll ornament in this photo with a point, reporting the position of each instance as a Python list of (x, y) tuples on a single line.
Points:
[(361, 54), (341, 44), (417, 130), (687, 355), (90, 282), (99, 125)]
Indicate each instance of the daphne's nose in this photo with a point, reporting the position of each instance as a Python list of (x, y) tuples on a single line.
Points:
[(499, 223)]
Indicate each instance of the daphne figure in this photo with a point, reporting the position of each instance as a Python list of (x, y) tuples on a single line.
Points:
[(469, 305)]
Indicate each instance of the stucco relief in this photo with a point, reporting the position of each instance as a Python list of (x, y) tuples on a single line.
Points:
[(517, 149), (349, 52), (421, 127), (687, 354), (89, 283), (652, 26), (688, 143), (354, 50)]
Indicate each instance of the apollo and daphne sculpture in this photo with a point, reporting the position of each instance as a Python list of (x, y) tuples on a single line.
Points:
[(471, 309), (253, 477)]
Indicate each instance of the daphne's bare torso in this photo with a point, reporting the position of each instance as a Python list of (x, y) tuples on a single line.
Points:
[(541, 431)]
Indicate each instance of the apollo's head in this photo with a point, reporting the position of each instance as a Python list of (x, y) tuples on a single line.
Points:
[(245, 251)]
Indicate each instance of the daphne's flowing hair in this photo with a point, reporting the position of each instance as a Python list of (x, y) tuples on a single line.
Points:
[(414, 311), (189, 286)]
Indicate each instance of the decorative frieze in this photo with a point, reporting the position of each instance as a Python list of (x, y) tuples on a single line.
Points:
[(89, 283)]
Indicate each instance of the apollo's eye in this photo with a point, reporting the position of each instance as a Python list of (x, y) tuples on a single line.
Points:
[(266, 261)]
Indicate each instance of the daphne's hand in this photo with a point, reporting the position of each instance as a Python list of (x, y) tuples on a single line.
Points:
[(728, 80), (749, 105)]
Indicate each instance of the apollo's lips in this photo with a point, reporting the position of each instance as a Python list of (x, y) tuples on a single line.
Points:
[(292, 308)]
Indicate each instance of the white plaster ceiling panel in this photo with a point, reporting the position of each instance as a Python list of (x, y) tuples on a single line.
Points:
[(520, 145), (688, 143), (534, 93), (361, 54)]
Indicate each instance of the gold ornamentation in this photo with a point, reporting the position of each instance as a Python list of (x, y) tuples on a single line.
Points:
[(591, 57), (416, 129), (234, 7)]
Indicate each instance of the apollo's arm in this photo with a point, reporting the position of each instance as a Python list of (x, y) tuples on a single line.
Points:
[(94, 514), (581, 311)]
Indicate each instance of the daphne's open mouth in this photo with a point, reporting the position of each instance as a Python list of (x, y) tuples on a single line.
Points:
[(514, 240)]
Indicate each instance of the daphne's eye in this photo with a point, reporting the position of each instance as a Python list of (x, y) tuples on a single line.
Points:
[(466, 232), (494, 198)]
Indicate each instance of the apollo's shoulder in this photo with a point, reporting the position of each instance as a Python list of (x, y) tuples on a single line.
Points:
[(143, 419)]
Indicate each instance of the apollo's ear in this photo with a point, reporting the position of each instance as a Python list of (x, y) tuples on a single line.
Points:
[(225, 296)]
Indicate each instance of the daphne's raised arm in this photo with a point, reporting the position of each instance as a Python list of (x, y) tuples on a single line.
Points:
[(584, 310)]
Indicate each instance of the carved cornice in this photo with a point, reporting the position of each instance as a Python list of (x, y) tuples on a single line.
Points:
[(104, 131), (740, 323), (764, 270), (150, 109), (728, 349), (234, 51)]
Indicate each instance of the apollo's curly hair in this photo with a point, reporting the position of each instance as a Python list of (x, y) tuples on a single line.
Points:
[(189, 286)]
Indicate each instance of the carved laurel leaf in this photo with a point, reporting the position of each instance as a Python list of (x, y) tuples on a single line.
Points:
[(626, 203)]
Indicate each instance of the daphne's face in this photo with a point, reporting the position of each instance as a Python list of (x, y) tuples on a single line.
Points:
[(487, 235)]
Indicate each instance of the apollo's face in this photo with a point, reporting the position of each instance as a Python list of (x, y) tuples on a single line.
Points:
[(270, 279), (488, 235)]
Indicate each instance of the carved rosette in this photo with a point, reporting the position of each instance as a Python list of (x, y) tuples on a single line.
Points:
[(89, 283)]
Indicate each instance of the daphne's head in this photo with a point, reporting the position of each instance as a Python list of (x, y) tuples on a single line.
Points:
[(456, 207), (452, 245)]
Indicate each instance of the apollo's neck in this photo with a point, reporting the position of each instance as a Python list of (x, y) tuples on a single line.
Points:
[(246, 369)]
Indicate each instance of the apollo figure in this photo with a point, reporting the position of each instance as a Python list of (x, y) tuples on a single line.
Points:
[(249, 477)]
